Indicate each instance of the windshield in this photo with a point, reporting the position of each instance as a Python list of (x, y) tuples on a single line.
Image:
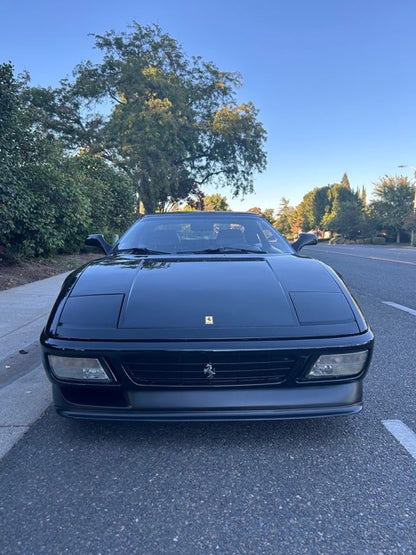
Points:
[(207, 233)]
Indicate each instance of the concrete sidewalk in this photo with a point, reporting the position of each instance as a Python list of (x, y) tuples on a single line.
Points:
[(23, 313)]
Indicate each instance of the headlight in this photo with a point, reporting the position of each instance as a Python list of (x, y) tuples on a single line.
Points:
[(79, 369), (343, 365)]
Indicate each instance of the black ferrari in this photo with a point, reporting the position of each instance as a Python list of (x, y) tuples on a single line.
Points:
[(205, 316)]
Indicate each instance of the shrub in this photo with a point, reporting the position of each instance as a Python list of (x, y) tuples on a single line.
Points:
[(378, 241)]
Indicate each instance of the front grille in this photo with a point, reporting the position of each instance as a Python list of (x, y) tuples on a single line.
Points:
[(204, 369)]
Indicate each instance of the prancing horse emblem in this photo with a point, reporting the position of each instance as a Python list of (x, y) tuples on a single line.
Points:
[(209, 371)]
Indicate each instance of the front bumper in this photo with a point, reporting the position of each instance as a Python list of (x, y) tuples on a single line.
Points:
[(247, 404), (126, 400)]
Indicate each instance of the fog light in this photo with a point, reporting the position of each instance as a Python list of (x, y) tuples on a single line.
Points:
[(80, 369), (344, 365)]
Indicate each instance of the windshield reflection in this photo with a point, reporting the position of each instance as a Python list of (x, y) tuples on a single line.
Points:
[(202, 233)]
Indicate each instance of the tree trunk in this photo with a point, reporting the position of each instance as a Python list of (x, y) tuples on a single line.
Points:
[(148, 204)]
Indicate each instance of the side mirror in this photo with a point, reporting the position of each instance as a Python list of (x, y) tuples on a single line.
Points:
[(97, 240), (303, 240)]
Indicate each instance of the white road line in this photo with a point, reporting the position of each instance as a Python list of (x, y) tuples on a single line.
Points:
[(403, 434), (391, 260), (401, 307)]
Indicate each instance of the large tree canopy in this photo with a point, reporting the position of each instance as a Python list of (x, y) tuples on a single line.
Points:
[(49, 198), (286, 217), (393, 204), (336, 208), (170, 122), (313, 207), (345, 213)]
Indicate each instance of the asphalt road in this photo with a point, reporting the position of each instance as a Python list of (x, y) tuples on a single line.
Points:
[(339, 485)]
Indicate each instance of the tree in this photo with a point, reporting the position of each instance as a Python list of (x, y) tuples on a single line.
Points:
[(313, 208), (296, 223), (393, 204), (49, 198), (195, 200), (345, 181), (345, 214), (174, 123), (255, 210), (32, 188), (284, 220), (267, 213), (111, 196), (15, 152), (216, 202), (363, 196)]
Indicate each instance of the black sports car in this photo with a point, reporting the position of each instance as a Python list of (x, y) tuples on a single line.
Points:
[(205, 316)]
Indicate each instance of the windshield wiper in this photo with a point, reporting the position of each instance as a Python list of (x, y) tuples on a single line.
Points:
[(225, 250), (140, 250)]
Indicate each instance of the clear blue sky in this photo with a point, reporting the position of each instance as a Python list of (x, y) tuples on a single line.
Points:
[(334, 80)]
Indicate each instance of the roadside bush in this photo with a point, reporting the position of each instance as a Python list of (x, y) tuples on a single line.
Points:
[(49, 199), (338, 240), (378, 241), (54, 217), (53, 201), (110, 194)]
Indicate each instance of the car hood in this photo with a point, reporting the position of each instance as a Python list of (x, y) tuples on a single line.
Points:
[(225, 297)]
